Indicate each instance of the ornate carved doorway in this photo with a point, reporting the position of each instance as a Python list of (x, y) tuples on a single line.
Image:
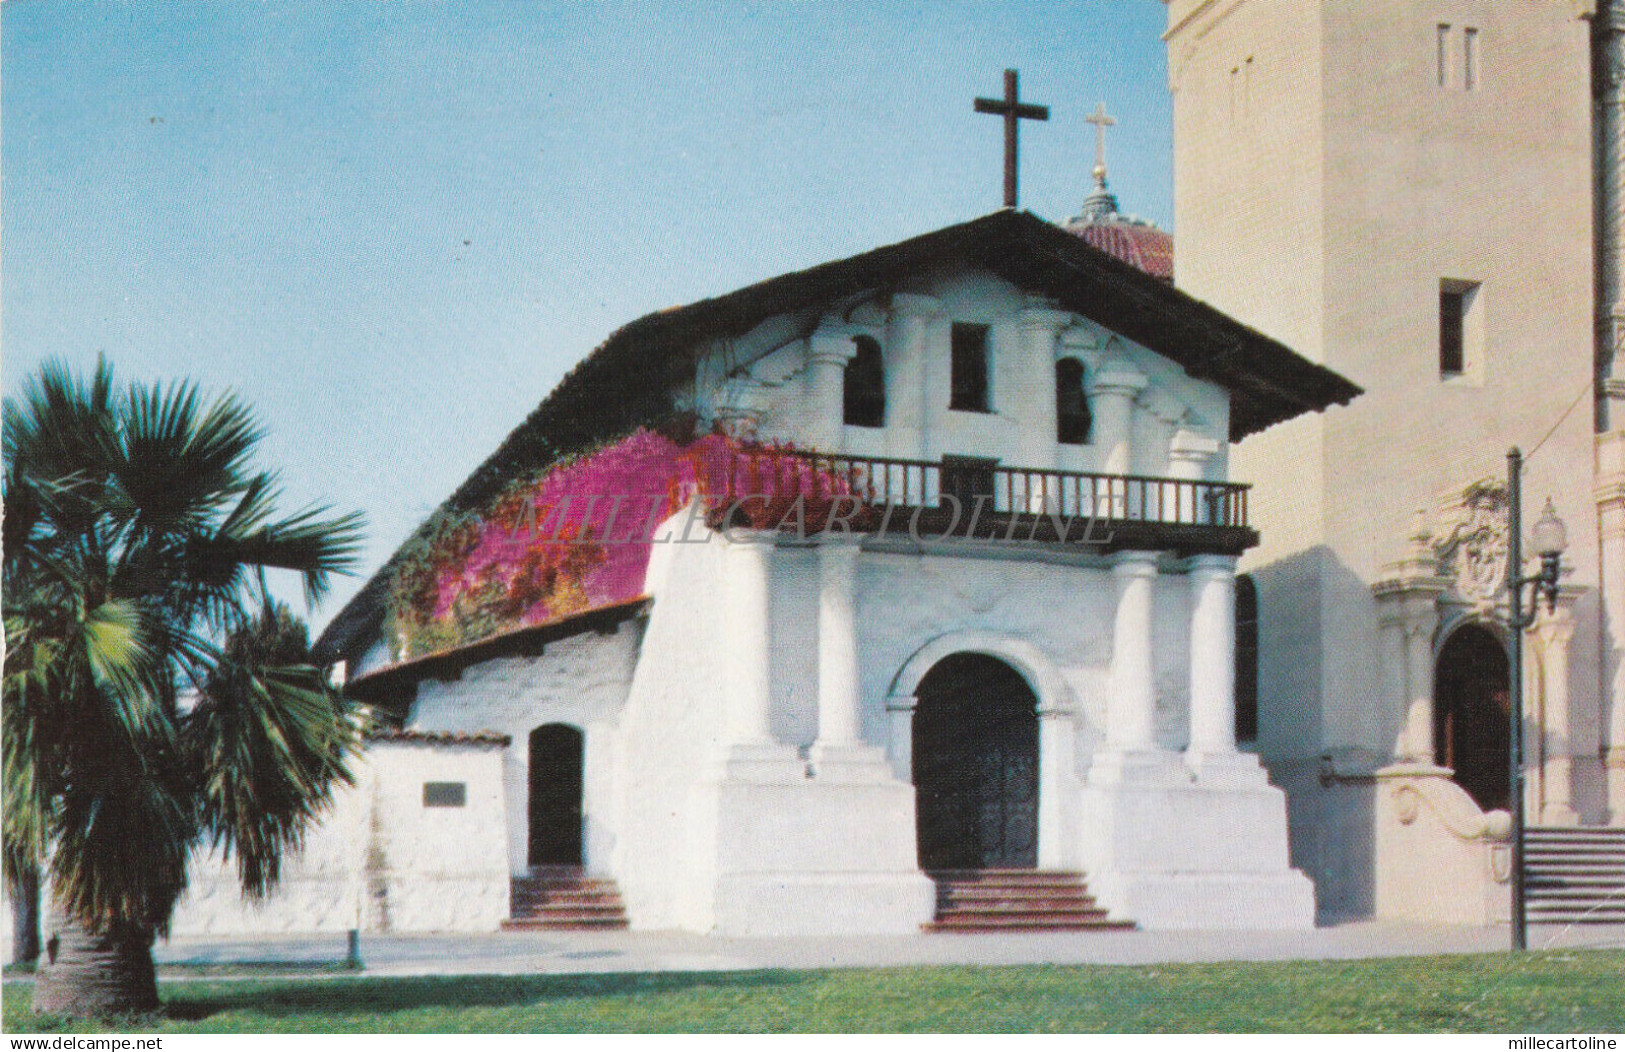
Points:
[(1472, 698), (555, 796), (976, 766)]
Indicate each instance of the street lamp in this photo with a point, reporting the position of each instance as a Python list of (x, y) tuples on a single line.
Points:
[(1550, 538)]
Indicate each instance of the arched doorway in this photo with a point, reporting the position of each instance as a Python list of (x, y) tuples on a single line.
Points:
[(975, 758), (1472, 699), (555, 796)]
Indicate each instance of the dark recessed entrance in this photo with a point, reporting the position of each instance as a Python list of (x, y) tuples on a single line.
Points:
[(1472, 700), (976, 766), (555, 796)]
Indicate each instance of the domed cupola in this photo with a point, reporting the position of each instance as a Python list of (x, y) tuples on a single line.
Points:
[(1137, 242)]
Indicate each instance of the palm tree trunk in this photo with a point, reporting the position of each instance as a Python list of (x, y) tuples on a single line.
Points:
[(24, 895), (96, 973)]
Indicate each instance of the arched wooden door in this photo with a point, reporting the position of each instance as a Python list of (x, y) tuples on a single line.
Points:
[(975, 747), (1472, 700), (555, 795)]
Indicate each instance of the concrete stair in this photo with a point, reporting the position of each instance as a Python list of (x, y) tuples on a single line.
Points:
[(1016, 900), (1574, 875), (564, 898)]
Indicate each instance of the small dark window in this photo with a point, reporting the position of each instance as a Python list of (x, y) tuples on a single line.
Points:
[(865, 390), (968, 390), (445, 794), (1072, 421), (1452, 331), (1246, 659)]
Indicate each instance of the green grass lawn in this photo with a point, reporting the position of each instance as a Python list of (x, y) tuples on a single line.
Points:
[(1570, 991)]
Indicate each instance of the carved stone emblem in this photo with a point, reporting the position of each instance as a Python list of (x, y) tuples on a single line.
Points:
[(1472, 549)]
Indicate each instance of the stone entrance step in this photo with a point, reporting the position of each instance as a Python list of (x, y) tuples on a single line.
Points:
[(563, 898), (1017, 900), (1574, 875)]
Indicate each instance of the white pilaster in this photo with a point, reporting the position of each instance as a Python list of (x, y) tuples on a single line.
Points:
[(829, 351), (1408, 618), (1111, 399), (1188, 457), (1131, 751), (1611, 535), (840, 754), (900, 735), (750, 752), (1213, 655), (1039, 325), (1058, 788), (907, 351), (1553, 632), (1132, 718)]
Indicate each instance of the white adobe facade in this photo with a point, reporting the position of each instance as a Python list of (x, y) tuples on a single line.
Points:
[(1404, 191), (750, 731)]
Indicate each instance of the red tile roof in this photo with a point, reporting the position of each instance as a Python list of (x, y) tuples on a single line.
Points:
[(1141, 245)]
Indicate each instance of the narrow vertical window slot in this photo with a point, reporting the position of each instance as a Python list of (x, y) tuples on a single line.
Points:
[(968, 385), (1469, 59), (1444, 54)]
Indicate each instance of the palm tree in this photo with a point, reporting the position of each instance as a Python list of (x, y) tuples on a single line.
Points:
[(141, 717)]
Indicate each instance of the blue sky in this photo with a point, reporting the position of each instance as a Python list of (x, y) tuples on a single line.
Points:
[(392, 225)]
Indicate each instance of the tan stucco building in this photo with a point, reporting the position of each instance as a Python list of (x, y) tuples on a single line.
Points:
[(1403, 190)]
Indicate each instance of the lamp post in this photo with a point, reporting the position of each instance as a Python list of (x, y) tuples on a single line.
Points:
[(1549, 538)]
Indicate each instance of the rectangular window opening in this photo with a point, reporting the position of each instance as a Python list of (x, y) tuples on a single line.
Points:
[(1469, 59), (968, 385), (445, 794), (1461, 330), (1444, 54)]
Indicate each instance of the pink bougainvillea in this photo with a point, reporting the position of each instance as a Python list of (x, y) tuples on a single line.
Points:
[(579, 536)]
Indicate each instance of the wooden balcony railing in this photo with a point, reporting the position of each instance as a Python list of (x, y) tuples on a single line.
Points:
[(989, 492)]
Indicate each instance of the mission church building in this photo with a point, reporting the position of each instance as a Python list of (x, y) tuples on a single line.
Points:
[(775, 730), (1025, 577)]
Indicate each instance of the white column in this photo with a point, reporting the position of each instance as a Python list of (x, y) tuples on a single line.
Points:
[(1421, 624), (1057, 787), (837, 642), (840, 754), (1408, 613), (907, 348), (829, 350), (1553, 633), (1131, 711), (1188, 456), (1039, 325), (1213, 655), (750, 752), (751, 657), (1111, 402)]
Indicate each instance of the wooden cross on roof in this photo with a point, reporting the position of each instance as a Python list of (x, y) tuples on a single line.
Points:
[(1012, 109)]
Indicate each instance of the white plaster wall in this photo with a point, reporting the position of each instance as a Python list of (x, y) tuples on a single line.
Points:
[(1063, 608), (379, 860), (1012, 431), (671, 728), (581, 681), (436, 868)]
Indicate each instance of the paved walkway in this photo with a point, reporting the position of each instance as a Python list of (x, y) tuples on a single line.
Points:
[(574, 952)]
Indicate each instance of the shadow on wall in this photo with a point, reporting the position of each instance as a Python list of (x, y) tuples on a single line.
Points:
[(1330, 804)]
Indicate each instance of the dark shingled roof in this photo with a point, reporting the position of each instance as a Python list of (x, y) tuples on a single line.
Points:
[(626, 380)]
